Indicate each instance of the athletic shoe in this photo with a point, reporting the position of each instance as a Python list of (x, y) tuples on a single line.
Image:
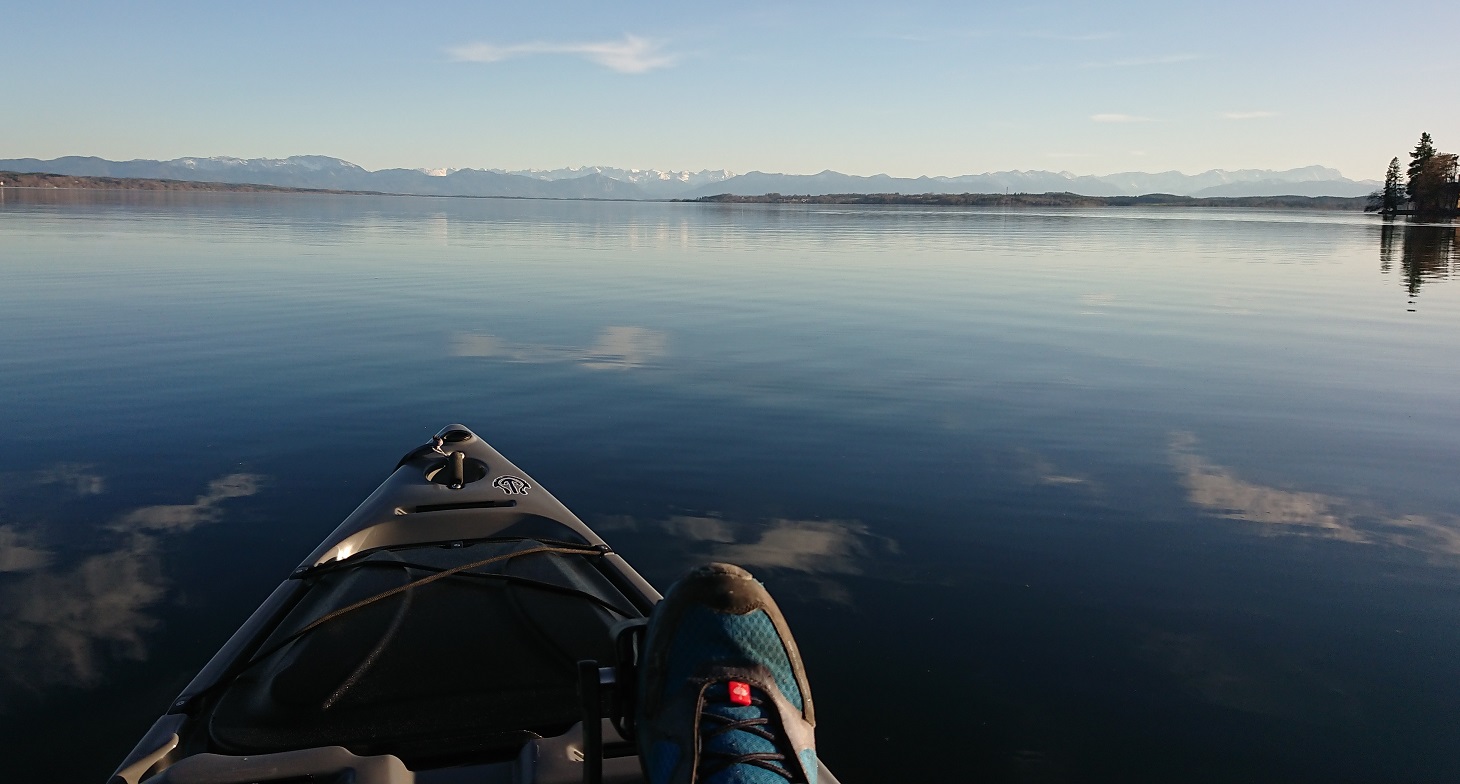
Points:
[(723, 697)]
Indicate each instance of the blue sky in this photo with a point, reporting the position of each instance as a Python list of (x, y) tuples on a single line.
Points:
[(910, 89)]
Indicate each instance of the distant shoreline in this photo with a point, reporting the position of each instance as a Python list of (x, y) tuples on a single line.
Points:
[(39, 181), (36, 181), (1354, 203)]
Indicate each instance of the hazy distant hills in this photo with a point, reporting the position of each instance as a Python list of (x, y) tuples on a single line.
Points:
[(1307, 181), (596, 182), (318, 171)]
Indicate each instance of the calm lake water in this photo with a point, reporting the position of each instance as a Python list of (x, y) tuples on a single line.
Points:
[(1079, 495)]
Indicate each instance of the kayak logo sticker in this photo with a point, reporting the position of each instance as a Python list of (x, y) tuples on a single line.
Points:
[(511, 485)]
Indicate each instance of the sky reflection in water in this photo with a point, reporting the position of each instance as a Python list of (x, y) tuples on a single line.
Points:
[(61, 625), (1103, 494)]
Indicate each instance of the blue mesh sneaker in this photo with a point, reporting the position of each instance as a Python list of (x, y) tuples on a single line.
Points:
[(722, 696)]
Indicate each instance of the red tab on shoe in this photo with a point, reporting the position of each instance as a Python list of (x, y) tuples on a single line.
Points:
[(739, 693)]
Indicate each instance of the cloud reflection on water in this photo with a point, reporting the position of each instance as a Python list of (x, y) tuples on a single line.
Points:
[(617, 348), (76, 476), (816, 549), (1216, 489), (183, 517), (18, 553), (62, 625), (1038, 470)]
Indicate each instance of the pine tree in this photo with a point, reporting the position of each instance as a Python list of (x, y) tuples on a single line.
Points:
[(1421, 155), (1393, 189)]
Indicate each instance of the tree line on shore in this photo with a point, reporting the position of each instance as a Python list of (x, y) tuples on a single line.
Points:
[(1430, 187), (1047, 200)]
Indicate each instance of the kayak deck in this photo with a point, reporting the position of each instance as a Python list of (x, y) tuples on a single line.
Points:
[(424, 673)]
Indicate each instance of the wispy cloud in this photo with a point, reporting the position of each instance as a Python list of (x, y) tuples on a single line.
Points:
[(1119, 118), (928, 35), (1101, 36), (1247, 115), (1135, 62), (632, 54)]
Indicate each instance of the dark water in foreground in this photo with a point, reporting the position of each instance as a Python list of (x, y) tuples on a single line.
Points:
[(1047, 496)]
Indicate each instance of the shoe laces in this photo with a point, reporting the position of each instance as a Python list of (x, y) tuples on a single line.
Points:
[(737, 734)]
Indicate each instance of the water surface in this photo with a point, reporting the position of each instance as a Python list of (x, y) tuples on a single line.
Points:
[(1046, 495)]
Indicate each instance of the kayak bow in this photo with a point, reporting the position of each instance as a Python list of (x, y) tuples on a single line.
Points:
[(438, 633)]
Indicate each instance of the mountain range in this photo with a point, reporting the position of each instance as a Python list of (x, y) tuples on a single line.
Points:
[(599, 182)]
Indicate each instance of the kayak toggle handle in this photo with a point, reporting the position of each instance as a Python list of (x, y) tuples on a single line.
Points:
[(458, 470)]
